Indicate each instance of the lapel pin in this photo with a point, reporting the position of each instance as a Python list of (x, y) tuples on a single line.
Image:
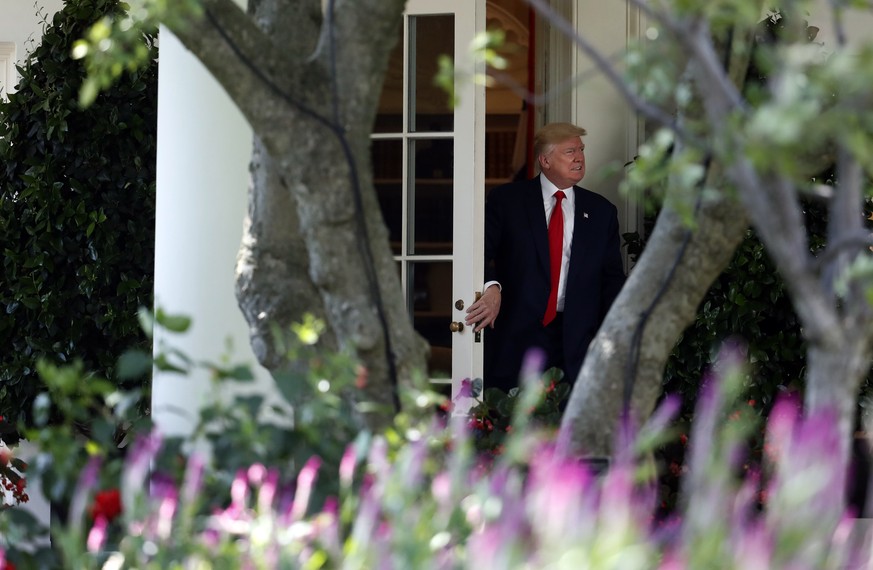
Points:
[(584, 214)]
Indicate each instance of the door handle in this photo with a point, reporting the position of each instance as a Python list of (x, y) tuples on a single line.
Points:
[(456, 326)]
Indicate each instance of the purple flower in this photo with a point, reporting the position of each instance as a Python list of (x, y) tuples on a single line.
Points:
[(305, 482), (466, 389), (193, 478), (87, 481), (97, 535), (347, 466), (268, 491)]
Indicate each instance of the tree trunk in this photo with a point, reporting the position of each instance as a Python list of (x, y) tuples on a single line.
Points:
[(315, 239), (833, 377), (663, 290), (273, 287)]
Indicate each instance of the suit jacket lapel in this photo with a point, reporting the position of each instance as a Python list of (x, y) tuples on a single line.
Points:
[(533, 204)]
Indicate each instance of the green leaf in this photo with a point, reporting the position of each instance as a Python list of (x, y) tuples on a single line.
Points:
[(293, 385), (239, 372), (174, 323), (133, 364)]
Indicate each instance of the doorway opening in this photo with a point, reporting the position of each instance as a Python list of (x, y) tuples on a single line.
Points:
[(427, 175)]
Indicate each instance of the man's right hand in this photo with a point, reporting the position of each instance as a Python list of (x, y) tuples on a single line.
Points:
[(483, 312)]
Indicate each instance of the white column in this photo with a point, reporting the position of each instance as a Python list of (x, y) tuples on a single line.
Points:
[(204, 147)]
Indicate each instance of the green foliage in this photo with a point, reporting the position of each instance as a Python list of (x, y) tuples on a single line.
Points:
[(418, 496), (492, 416), (113, 45), (235, 433), (77, 190), (747, 301)]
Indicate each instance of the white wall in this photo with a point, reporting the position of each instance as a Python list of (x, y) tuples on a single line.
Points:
[(858, 25), (21, 29), (598, 107)]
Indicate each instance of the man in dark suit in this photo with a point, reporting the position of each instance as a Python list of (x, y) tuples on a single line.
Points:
[(542, 290)]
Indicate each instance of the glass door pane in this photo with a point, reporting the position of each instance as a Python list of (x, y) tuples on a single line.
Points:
[(427, 178), (431, 196), (431, 37), (430, 289), (413, 165), (388, 180)]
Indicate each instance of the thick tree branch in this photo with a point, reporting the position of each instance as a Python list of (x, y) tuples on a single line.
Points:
[(228, 43), (346, 48)]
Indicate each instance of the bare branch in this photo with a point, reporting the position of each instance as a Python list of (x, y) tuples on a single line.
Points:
[(839, 28), (607, 68), (853, 241), (843, 214), (659, 16), (722, 95), (773, 207), (536, 99), (228, 42)]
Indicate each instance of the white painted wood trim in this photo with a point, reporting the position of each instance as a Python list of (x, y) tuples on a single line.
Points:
[(8, 73)]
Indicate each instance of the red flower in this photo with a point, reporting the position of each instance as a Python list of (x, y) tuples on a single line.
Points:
[(107, 504), (477, 424)]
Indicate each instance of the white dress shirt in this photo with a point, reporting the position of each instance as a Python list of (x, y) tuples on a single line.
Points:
[(568, 207)]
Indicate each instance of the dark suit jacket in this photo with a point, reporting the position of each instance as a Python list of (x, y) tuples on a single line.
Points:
[(517, 255)]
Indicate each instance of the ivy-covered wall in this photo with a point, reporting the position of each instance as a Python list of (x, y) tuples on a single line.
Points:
[(77, 191)]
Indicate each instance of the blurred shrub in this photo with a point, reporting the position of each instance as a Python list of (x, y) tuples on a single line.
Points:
[(418, 496), (77, 212)]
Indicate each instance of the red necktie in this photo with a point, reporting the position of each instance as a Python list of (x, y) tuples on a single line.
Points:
[(556, 245)]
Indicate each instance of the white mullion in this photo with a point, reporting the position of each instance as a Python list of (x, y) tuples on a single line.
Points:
[(404, 171)]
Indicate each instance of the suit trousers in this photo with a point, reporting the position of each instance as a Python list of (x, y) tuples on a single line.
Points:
[(549, 339)]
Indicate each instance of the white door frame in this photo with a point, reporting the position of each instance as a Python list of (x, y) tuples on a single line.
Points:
[(468, 181), (8, 73)]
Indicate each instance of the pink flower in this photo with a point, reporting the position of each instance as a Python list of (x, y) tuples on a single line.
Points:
[(466, 390)]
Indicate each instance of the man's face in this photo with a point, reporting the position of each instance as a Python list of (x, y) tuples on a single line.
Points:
[(565, 164)]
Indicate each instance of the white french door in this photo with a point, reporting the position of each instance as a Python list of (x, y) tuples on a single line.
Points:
[(429, 174)]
